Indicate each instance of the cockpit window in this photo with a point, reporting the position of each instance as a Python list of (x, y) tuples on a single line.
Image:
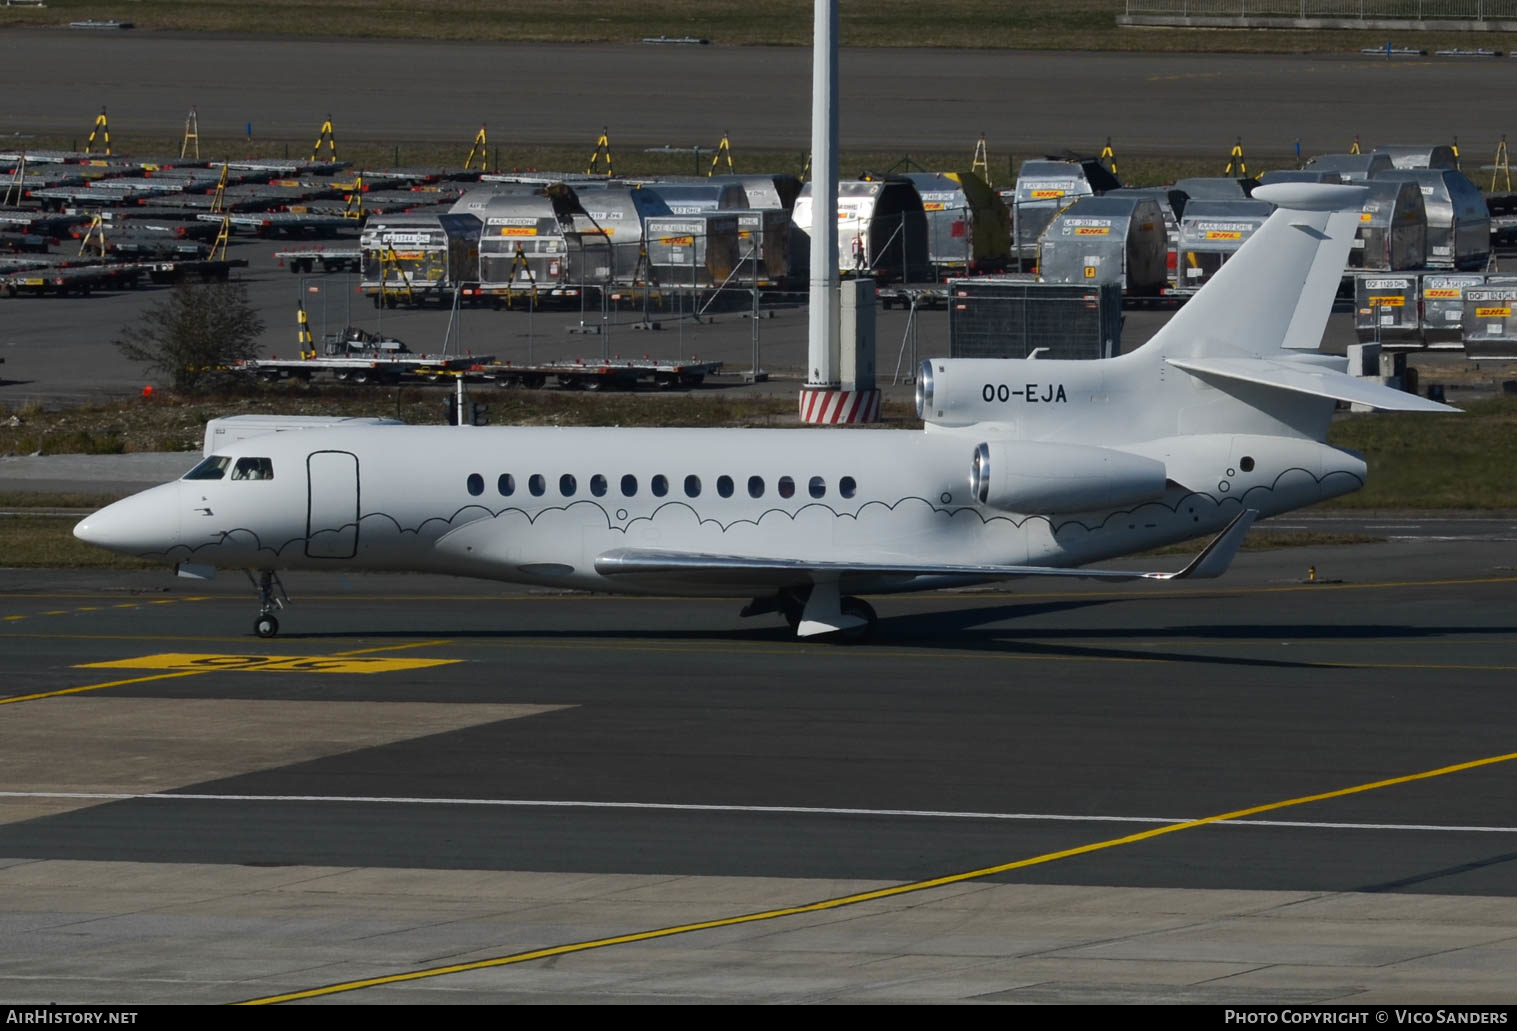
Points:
[(253, 469), (213, 468)]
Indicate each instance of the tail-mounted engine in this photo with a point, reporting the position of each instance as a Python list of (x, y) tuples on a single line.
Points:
[(1039, 478)]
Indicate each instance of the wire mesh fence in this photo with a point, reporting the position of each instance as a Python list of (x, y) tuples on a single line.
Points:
[(1415, 10)]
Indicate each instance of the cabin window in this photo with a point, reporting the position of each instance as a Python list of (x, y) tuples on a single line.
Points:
[(817, 487), (629, 485), (537, 485), (476, 484), (786, 487), (660, 485), (755, 486), (213, 468), (692, 486), (598, 485), (506, 484), (724, 486), (253, 469), (847, 487), (567, 486)]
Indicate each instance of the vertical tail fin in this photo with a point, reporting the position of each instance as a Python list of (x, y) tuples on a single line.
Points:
[(1277, 291)]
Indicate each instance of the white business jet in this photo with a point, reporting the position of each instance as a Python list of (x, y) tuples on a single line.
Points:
[(1025, 468)]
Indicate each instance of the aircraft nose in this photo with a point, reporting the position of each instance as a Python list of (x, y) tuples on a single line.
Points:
[(143, 524)]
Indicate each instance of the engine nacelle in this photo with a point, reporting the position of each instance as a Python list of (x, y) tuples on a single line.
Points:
[(1039, 478), (964, 391)]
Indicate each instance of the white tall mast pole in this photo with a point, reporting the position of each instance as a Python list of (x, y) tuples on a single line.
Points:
[(822, 348)]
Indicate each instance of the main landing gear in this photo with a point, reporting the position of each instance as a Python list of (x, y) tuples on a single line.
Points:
[(271, 598), (820, 611)]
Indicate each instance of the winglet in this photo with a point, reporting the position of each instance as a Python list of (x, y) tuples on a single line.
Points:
[(1218, 555)]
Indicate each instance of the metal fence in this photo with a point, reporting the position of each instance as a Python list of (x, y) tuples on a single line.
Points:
[(1417, 10)]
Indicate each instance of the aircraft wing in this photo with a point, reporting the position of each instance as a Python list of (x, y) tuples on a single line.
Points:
[(695, 568), (1305, 378)]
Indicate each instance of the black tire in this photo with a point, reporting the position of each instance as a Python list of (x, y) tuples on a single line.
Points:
[(265, 626), (863, 610)]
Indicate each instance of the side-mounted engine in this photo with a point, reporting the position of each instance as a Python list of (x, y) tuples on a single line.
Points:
[(1039, 478)]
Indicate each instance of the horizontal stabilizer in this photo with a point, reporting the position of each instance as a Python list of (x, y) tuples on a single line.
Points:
[(1304, 378), (690, 567)]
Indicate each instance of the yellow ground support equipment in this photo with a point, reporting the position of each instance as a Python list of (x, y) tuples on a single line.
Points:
[(218, 199), (218, 249), (481, 147), (96, 235), (191, 134), (354, 207), (724, 147), (102, 128), (1355, 148), (1109, 157), (980, 163), (519, 263), (390, 261), (602, 146), (1501, 167), (1236, 164), (329, 137), (17, 186), (307, 345)]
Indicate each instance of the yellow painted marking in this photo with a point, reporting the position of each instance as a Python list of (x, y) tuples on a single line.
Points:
[(88, 608), (870, 896), (56, 612), (266, 663), (97, 687), (9, 618), (197, 672), (126, 605)]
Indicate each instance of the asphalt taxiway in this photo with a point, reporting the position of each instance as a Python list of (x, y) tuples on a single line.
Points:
[(1250, 790)]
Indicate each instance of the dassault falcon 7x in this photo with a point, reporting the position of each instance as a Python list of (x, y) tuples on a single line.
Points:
[(1024, 468)]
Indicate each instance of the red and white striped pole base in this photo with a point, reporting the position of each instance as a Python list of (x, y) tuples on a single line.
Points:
[(833, 406)]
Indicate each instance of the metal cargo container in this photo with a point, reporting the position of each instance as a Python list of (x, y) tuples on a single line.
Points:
[(417, 256), (531, 224), (1110, 239), (1171, 205), (1013, 316), (764, 246), (694, 197), (1392, 232), (1458, 221), (698, 250), (882, 229), (768, 190), (1351, 168), (1423, 156), (1211, 231), (1443, 307), (968, 226), (1386, 310), (1042, 189), (1210, 188), (618, 213), (1490, 331)]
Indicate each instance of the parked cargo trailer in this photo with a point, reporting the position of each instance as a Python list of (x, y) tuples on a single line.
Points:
[(1458, 220), (1111, 239), (412, 258)]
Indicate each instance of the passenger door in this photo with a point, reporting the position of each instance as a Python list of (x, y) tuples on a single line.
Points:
[(332, 507)]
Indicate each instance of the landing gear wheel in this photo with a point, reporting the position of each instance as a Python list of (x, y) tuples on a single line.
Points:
[(863, 610), (266, 626)]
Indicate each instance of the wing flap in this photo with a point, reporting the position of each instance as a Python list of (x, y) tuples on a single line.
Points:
[(694, 567), (1303, 378)]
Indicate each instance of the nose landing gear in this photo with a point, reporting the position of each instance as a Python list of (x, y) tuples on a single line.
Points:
[(271, 597)]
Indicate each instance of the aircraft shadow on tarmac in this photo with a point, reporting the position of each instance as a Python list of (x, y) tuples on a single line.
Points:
[(1421, 879), (993, 629)]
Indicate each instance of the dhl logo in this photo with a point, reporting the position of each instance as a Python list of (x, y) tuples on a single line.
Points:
[(1365, 216), (1440, 293), (678, 241), (1046, 194), (1388, 302), (1220, 234), (1091, 231), (518, 230), (934, 205), (1493, 313)]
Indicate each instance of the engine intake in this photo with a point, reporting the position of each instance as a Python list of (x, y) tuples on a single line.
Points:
[(1040, 478)]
